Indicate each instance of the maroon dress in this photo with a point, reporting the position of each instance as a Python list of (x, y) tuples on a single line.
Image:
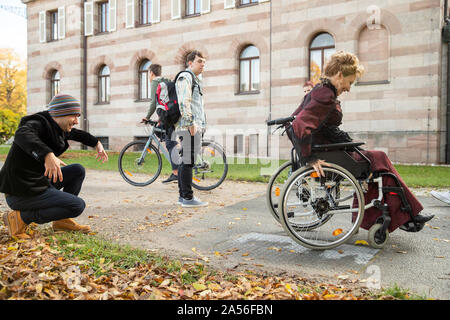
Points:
[(317, 120)]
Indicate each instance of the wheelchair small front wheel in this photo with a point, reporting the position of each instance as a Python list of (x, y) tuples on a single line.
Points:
[(377, 238)]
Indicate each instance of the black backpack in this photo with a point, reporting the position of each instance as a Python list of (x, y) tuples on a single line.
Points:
[(167, 108)]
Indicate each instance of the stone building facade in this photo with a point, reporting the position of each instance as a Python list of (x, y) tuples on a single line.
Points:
[(398, 106)]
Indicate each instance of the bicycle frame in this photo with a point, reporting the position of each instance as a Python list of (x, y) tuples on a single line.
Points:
[(152, 137)]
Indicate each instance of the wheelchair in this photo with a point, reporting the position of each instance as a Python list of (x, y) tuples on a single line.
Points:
[(323, 212)]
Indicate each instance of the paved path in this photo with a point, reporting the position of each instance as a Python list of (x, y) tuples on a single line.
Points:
[(237, 232)]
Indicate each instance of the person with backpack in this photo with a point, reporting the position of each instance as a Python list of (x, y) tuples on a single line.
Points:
[(190, 125), (33, 175), (155, 79)]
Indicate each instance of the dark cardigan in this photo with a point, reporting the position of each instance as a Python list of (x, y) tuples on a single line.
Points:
[(318, 118)]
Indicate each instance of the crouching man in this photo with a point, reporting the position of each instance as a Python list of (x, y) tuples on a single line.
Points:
[(38, 186)]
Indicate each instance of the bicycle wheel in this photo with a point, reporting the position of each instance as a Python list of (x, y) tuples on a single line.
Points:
[(321, 212), (210, 168), (139, 166), (275, 185)]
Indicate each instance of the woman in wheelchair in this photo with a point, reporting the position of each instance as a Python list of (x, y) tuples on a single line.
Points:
[(316, 123)]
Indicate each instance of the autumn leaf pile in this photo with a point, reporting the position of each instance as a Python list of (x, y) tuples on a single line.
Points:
[(36, 269)]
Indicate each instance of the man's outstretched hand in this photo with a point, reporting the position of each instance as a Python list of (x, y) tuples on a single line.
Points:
[(53, 167), (101, 153)]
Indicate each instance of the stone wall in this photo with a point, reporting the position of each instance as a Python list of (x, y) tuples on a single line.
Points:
[(395, 107)]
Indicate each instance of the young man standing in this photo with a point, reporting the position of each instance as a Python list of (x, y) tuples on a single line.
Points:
[(32, 175), (155, 79), (191, 125)]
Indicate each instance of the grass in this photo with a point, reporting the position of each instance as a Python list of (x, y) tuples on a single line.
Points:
[(401, 294), (251, 169), (102, 255)]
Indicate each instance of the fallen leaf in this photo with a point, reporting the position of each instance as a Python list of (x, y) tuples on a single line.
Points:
[(165, 283), (362, 242), (39, 288), (199, 286)]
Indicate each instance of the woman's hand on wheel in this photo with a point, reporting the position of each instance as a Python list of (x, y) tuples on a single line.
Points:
[(317, 165)]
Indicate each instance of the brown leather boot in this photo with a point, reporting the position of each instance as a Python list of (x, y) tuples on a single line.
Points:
[(15, 224), (69, 225)]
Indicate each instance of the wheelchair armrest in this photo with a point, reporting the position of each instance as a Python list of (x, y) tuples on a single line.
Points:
[(337, 146)]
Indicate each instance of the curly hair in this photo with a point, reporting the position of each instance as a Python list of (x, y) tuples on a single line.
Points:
[(346, 62)]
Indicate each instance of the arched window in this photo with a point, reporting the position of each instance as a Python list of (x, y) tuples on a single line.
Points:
[(144, 83), (104, 85), (320, 49), (55, 84), (249, 80), (373, 53)]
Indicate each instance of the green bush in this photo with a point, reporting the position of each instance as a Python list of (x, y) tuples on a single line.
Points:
[(9, 121)]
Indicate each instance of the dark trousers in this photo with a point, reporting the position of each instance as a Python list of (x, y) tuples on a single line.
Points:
[(53, 204), (191, 146)]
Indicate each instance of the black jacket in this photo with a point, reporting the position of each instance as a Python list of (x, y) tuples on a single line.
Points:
[(37, 135)]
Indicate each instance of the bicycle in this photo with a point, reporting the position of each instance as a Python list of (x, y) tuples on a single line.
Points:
[(140, 162)]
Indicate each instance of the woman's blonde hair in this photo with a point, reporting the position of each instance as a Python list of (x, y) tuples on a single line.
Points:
[(345, 62)]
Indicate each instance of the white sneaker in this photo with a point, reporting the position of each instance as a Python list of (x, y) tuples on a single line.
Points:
[(442, 196), (193, 203)]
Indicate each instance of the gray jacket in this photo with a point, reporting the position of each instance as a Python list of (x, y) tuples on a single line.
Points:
[(190, 101)]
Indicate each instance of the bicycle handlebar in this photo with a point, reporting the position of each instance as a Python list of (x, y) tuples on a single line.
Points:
[(150, 122), (280, 121)]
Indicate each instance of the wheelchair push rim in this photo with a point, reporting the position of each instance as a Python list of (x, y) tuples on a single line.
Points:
[(321, 212)]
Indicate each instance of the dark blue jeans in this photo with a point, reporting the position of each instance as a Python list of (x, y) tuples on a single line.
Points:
[(53, 204)]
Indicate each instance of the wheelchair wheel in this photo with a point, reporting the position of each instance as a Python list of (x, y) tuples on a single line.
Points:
[(377, 238), (275, 185), (321, 212)]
